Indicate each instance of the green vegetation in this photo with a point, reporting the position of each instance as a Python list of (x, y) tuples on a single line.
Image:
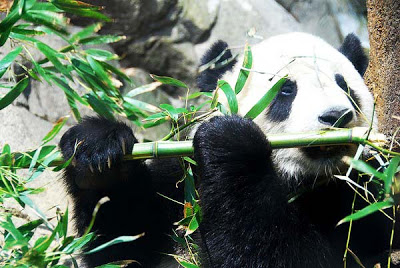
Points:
[(81, 63)]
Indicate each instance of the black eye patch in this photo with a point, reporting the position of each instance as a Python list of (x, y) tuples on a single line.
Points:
[(281, 106), (355, 101)]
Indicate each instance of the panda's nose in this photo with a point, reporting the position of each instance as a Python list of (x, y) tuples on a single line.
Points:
[(336, 117)]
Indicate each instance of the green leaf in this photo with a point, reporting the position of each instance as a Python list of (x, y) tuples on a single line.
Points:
[(186, 264), (155, 120), (101, 39), (99, 71), (78, 243), (30, 226), (4, 37), (243, 74), (18, 238), (87, 13), (14, 93), (8, 59), (365, 168), (7, 23), (368, 210), (118, 240), (18, 30), (55, 130), (230, 96), (193, 225), (101, 54), (172, 111), (143, 89), (265, 100), (169, 81), (390, 172), (52, 20), (98, 106), (143, 105), (53, 55), (198, 94), (86, 32), (61, 83), (116, 71)]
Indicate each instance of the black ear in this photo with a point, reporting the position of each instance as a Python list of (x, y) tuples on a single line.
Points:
[(353, 50), (208, 78)]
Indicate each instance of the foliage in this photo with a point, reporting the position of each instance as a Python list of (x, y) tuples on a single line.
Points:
[(83, 72)]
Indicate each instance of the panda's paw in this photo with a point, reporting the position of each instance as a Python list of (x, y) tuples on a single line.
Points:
[(230, 139), (98, 144)]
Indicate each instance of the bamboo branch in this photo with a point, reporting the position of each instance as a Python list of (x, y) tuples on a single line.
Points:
[(165, 149)]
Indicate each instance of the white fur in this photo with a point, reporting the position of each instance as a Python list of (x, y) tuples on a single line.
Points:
[(312, 63)]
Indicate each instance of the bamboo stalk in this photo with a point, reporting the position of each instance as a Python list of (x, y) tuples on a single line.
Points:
[(164, 149)]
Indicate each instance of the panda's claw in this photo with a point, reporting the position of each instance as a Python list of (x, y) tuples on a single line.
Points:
[(123, 145), (104, 144), (109, 162), (91, 168)]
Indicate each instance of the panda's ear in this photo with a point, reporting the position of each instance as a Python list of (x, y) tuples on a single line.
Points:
[(208, 78), (353, 50)]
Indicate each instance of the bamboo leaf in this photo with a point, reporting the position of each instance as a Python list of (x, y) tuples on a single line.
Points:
[(143, 105), (169, 81), (99, 71), (7, 23), (85, 12), (55, 130), (14, 93), (98, 106), (78, 243), (61, 83), (53, 55), (185, 264), (265, 100), (101, 54), (143, 89), (367, 211), (390, 172), (116, 71), (52, 20), (118, 240), (8, 59), (86, 32), (365, 168), (230, 96), (101, 39), (172, 111), (243, 74)]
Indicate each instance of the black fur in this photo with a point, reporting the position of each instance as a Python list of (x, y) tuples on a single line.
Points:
[(134, 207), (247, 220), (353, 50), (355, 101), (207, 80), (281, 105)]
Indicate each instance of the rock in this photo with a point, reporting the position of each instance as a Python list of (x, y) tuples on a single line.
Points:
[(160, 33), (24, 131), (316, 17), (237, 17)]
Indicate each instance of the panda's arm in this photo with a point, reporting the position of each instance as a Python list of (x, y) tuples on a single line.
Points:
[(247, 221), (98, 171)]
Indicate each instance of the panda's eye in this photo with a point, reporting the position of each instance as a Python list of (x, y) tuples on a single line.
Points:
[(288, 88)]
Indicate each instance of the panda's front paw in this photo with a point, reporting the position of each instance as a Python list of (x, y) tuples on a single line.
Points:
[(230, 139), (102, 144)]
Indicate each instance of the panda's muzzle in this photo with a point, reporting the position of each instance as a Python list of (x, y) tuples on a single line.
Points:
[(327, 152)]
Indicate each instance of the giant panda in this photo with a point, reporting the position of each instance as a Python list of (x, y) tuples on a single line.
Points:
[(243, 184)]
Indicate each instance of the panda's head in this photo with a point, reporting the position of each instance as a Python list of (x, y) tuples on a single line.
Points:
[(325, 88)]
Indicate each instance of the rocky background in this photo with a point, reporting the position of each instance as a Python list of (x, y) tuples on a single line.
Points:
[(168, 37)]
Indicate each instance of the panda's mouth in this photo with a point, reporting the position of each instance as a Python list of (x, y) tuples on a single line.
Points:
[(326, 152)]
